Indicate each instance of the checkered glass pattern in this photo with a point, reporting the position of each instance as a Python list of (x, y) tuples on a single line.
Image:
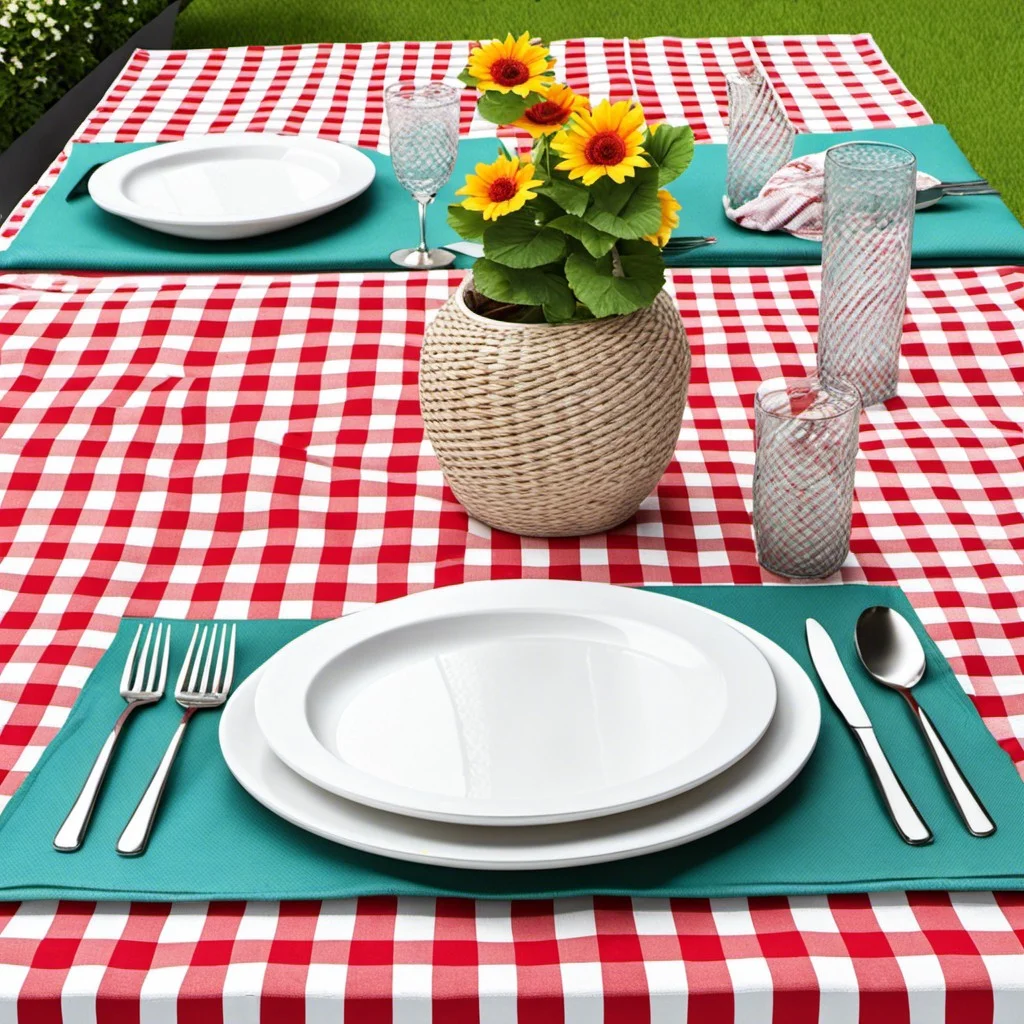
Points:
[(251, 446)]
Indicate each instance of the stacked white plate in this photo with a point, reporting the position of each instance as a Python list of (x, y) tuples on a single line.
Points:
[(521, 724)]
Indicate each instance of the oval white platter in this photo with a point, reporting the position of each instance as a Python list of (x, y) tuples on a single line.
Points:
[(223, 187), (761, 775), (516, 702)]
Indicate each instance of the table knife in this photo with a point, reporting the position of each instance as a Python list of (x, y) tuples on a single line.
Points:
[(677, 246), (909, 823)]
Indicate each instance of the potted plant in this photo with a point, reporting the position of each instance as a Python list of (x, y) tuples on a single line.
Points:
[(553, 381)]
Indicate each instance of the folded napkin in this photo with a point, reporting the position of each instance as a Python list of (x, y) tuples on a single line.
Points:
[(791, 199), (827, 832), (75, 234)]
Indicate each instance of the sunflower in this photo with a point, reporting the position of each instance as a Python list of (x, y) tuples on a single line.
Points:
[(669, 219), (550, 115), (607, 140), (499, 188), (515, 65)]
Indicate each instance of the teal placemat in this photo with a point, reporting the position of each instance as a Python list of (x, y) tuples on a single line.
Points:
[(966, 231), (826, 833), (78, 235)]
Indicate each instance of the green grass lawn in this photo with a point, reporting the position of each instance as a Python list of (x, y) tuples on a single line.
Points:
[(963, 59)]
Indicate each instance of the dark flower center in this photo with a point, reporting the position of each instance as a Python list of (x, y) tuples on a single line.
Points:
[(605, 148), (545, 112), (501, 190), (506, 71)]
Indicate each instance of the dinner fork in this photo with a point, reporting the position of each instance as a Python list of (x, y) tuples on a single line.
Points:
[(144, 685), (196, 688)]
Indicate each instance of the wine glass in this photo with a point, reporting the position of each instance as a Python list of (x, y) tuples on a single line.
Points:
[(423, 123)]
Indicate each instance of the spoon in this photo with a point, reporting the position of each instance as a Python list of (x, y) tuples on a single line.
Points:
[(892, 654)]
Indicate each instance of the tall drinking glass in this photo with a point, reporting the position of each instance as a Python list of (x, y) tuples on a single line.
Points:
[(760, 136), (870, 188), (423, 123), (806, 458)]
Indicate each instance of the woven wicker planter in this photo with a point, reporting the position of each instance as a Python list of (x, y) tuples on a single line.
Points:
[(554, 431)]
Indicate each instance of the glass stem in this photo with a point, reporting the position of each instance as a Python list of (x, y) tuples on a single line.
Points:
[(423, 222)]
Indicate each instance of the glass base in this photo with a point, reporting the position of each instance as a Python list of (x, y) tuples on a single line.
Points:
[(417, 259)]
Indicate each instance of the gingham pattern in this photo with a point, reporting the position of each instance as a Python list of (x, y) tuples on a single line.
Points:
[(336, 90), (250, 446)]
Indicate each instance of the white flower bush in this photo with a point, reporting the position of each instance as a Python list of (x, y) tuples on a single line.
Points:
[(46, 46)]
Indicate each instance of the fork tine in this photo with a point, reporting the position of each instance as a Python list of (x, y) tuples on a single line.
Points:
[(215, 686), (161, 681), (179, 686), (209, 662), (194, 674), (138, 682), (229, 672), (154, 662), (126, 673)]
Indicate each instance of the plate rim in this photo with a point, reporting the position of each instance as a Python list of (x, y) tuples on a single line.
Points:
[(280, 704), (801, 700), (106, 183)]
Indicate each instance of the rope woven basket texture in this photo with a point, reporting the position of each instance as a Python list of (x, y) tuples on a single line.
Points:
[(554, 430)]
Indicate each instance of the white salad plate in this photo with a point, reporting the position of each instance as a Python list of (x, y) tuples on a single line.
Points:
[(516, 702), (764, 773), (223, 187)]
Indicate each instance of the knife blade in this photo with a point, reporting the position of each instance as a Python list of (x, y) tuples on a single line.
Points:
[(905, 816)]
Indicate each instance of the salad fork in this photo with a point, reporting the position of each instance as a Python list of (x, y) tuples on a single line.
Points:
[(197, 688), (144, 685)]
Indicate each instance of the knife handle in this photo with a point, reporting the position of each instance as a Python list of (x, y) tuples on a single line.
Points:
[(909, 823)]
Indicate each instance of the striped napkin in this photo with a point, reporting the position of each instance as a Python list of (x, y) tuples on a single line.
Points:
[(791, 199)]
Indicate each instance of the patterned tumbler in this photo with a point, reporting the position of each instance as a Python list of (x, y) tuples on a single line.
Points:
[(760, 136), (806, 457), (870, 188)]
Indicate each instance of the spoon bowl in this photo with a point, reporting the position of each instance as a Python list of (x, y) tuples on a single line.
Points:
[(893, 655), (889, 648)]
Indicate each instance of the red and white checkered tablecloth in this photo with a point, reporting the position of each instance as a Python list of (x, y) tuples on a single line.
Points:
[(336, 90), (251, 446)]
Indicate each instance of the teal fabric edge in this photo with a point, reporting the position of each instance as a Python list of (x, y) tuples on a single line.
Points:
[(477, 884), (967, 231)]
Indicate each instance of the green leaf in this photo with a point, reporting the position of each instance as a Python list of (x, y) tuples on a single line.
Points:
[(671, 148), (597, 285), (629, 210), (571, 198), (516, 240), (540, 286), (597, 243), (504, 107), (467, 79), (468, 223), (544, 209)]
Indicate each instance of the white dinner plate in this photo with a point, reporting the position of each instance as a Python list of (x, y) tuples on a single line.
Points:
[(737, 792), (231, 186), (516, 702)]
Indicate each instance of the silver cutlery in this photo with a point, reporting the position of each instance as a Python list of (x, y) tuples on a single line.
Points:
[(475, 250), (928, 197), (201, 684), (678, 244), (892, 654), (909, 823), (142, 682)]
